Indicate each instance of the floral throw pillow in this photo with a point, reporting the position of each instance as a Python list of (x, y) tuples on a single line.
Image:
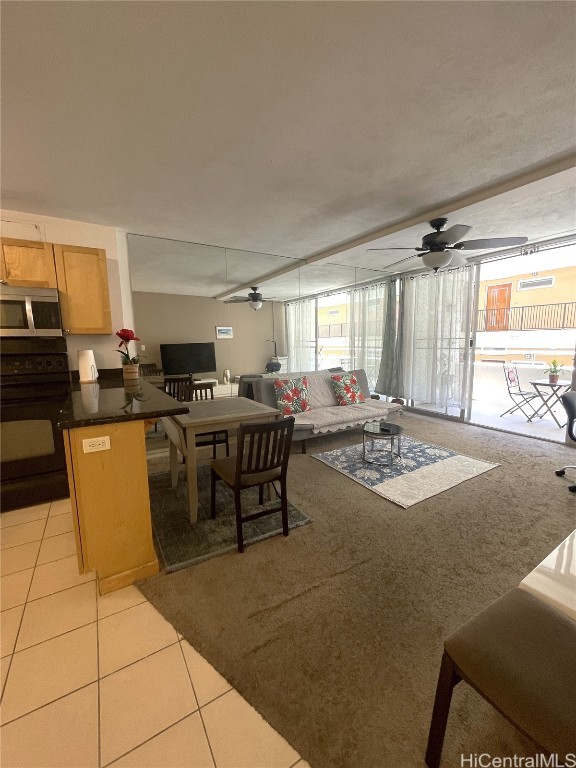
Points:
[(347, 389), (292, 395)]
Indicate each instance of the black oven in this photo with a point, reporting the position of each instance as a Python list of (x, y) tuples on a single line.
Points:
[(34, 385)]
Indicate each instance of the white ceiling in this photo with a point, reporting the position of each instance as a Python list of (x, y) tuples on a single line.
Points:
[(286, 128)]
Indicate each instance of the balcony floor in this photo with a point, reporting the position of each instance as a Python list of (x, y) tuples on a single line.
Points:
[(488, 415)]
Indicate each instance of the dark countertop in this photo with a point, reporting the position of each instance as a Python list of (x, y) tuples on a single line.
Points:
[(110, 401)]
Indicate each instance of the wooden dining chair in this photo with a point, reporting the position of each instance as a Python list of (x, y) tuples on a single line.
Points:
[(177, 387), (205, 391), (262, 457)]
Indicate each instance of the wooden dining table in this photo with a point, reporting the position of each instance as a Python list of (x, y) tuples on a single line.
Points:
[(207, 416)]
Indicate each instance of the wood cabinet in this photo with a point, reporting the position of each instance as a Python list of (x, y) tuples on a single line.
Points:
[(27, 263), (83, 284), (80, 274), (110, 505)]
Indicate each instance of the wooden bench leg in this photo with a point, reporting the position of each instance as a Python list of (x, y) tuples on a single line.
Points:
[(303, 446), (447, 679)]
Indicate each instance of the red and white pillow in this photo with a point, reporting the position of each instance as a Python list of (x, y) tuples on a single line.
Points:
[(347, 389), (292, 395)]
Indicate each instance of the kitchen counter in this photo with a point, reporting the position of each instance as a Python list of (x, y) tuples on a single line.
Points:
[(103, 426), (111, 401)]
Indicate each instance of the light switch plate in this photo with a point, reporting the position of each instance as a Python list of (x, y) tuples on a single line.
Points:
[(93, 444)]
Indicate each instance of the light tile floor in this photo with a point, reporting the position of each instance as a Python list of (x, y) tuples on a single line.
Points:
[(90, 681)]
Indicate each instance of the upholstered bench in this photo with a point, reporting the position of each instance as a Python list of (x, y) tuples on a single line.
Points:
[(519, 653)]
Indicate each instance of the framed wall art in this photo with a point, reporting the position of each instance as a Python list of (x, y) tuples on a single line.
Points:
[(224, 332)]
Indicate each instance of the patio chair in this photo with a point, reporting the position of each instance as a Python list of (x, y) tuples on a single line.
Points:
[(262, 457), (569, 403), (522, 399)]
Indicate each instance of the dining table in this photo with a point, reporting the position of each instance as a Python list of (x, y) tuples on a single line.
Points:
[(550, 392), (207, 416)]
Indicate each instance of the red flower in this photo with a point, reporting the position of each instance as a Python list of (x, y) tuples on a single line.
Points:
[(353, 380), (304, 405), (337, 378), (126, 335), (288, 397), (348, 388), (295, 392), (287, 410)]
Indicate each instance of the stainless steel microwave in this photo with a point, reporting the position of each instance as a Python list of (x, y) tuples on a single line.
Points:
[(29, 312)]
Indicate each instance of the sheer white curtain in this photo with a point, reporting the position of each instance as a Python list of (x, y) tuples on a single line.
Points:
[(365, 340), (436, 336), (301, 335)]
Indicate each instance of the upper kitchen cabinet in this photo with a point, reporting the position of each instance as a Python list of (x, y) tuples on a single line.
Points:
[(27, 263), (83, 285)]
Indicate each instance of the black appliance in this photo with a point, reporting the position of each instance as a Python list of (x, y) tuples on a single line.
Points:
[(34, 386), (29, 312)]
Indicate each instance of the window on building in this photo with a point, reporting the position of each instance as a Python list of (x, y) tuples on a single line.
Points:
[(535, 282)]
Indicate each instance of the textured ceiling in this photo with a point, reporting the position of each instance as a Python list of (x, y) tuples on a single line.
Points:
[(282, 127)]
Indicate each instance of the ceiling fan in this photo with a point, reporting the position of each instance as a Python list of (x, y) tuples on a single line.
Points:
[(254, 298), (440, 248)]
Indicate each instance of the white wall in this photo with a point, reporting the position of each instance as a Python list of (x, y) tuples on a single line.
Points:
[(33, 227)]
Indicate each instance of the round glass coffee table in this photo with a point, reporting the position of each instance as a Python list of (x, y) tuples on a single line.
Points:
[(381, 443)]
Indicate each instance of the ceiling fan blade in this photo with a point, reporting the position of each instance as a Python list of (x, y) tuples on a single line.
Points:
[(397, 248), (236, 300), (401, 261), (453, 234), (490, 242)]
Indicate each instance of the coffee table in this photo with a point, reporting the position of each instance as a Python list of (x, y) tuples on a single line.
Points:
[(389, 436)]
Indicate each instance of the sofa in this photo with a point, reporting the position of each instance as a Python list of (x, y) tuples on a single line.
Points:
[(325, 416)]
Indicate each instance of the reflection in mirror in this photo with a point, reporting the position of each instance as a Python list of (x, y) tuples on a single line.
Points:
[(336, 321), (174, 287)]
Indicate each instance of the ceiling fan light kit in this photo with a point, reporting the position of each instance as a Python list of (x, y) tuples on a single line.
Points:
[(436, 259), (255, 304)]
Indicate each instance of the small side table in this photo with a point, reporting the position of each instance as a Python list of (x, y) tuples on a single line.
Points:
[(390, 435), (550, 396)]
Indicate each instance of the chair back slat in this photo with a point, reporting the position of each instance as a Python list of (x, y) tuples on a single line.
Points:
[(202, 391), (264, 447)]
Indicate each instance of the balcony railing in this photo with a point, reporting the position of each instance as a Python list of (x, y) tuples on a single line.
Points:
[(538, 317)]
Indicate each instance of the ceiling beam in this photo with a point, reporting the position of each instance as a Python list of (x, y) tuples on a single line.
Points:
[(506, 184)]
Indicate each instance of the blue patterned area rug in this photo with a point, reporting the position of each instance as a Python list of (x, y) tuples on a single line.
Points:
[(182, 544), (423, 470)]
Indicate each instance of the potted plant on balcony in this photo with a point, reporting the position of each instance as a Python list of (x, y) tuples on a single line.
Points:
[(553, 370)]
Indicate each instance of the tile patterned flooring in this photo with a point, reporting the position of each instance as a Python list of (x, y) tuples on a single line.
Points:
[(91, 681)]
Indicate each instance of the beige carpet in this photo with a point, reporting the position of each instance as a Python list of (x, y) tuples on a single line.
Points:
[(335, 633)]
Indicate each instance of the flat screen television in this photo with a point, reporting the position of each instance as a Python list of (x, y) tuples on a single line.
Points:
[(181, 359)]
